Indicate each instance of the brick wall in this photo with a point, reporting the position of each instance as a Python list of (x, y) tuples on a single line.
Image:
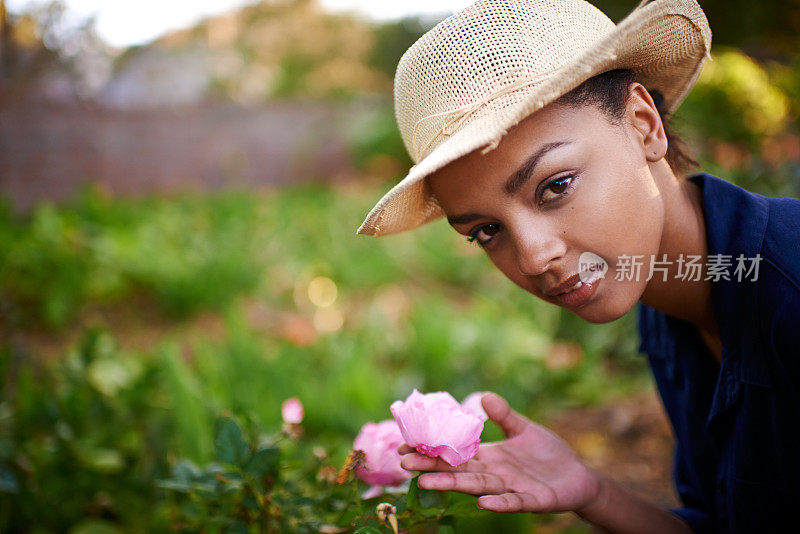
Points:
[(48, 151)]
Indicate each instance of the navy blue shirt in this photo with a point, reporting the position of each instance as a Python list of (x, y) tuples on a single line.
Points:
[(737, 423)]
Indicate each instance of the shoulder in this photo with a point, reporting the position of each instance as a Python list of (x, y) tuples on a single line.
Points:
[(781, 245), (779, 281), (779, 276), (742, 223)]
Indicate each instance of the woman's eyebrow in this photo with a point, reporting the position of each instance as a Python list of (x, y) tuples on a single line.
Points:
[(522, 175), (515, 182), (464, 218)]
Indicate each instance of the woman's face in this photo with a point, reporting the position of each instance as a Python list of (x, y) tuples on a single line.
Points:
[(564, 182)]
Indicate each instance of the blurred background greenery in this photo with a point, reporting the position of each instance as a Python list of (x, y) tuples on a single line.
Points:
[(132, 315)]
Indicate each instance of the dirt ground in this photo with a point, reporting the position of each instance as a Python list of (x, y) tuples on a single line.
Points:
[(629, 439)]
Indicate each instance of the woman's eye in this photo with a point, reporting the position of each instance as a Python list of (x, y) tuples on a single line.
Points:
[(558, 187), (483, 234)]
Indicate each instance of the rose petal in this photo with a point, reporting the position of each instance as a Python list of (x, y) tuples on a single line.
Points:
[(380, 441), (473, 404)]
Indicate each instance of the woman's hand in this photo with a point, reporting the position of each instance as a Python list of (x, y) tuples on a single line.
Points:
[(532, 471)]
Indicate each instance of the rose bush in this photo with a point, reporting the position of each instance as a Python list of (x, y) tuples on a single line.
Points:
[(272, 483)]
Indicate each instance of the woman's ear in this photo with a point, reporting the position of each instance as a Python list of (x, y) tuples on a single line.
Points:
[(643, 116)]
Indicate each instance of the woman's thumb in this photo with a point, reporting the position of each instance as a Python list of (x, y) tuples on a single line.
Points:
[(501, 413)]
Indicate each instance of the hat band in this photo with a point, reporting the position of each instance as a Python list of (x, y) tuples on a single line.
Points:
[(455, 118)]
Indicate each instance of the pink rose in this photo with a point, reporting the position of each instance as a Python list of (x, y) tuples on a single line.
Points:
[(437, 425), (379, 441), (292, 411), (473, 404)]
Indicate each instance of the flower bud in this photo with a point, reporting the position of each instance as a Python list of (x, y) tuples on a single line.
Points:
[(292, 411), (388, 514)]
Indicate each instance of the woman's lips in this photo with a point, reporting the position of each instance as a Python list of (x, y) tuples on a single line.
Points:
[(581, 292), (564, 286)]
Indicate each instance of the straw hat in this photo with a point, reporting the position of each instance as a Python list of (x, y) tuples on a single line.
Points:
[(481, 71)]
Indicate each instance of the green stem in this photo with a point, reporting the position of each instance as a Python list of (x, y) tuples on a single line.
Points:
[(357, 496), (263, 505), (341, 515)]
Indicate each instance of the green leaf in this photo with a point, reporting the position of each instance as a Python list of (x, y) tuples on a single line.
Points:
[(231, 482), (465, 509), (250, 503), (263, 462), (95, 526), (367, 530), (110, 376), (184, 476), (8, 482), (424, 502), (208, 483), (229, 445), (236, 527), (186, 471), (192, 511), (433, 498), (412, 497), (108, 461), (174, 485)]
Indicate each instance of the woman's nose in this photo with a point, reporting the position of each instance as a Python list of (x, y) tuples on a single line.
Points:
[(536, 251)]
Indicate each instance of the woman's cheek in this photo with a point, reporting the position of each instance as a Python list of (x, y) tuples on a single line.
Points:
[(505, 263)]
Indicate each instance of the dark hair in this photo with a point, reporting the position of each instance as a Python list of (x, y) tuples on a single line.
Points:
[(609, 92)]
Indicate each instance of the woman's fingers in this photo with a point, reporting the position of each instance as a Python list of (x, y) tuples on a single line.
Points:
[(501, 413), (472, 483), (510, 502), (420, 462), (405, 448)]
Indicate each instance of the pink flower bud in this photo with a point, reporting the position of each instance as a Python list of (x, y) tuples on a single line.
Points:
[(292, 411), (437, 425), (380, 441)]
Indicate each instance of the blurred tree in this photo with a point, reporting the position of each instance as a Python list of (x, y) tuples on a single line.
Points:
[(392, 39), (24, 54), (3, 37), (262, 51), (764, 29), (734, 101), (44, 52)]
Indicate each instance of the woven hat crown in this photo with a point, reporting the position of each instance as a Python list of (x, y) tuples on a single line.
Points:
[(479, 72), (488, 49)]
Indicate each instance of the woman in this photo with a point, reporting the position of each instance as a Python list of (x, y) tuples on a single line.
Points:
[(538, 129)]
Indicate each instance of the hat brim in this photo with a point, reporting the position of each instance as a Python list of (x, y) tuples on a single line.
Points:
[(675, 25)]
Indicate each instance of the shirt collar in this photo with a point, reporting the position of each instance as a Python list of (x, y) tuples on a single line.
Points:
[(736, 221), (735, 218)]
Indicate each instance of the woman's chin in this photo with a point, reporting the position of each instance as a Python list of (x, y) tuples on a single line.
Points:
[(608, 306), (610, 301), (598, 315)]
